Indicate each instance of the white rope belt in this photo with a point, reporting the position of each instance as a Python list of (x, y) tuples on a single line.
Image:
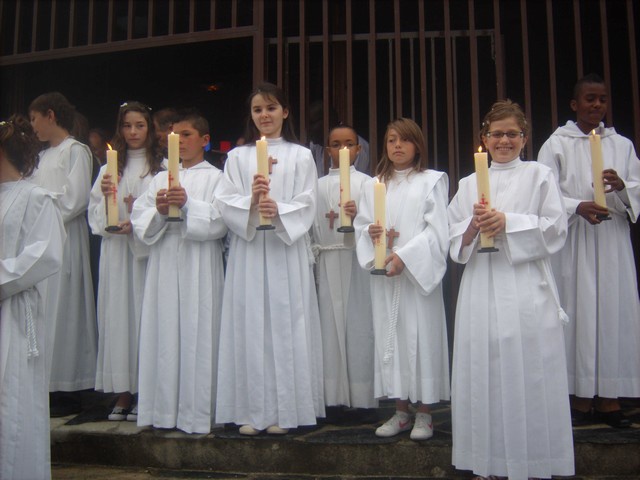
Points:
[(549, 283), (32, 343), (393, 321)]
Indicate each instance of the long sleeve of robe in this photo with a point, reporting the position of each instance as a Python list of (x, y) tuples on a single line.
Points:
[(123, 265), (65, 170), (270, 369), (344, 301), (510, 406), (411, 354), (596, 270), (31, 242), (179, 331)]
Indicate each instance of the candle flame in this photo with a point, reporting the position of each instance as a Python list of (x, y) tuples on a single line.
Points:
[(109, 145), (593, 132), (263, 138), (480, 149), (345, 148)]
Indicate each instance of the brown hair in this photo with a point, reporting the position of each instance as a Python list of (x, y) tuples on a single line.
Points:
[(56, 102), (19, 144), (408, 130), (273, 93), (504, 109)]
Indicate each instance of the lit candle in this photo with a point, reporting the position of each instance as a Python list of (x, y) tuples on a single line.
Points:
[(380, 218), (112, 198), (597, 166), (263, 169), (345, 188), (174, 169), (484, 191)]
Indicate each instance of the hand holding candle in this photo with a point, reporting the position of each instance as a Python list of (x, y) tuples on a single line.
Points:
[(174, 173), (345, 189), (484, 194), (263, 169), (380, 220), (112, 197)]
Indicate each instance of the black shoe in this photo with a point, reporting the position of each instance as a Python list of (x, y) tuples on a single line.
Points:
[(614, 419), (580, 419)]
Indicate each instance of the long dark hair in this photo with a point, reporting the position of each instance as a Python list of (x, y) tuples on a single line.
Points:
[(408, 130), (19, 144), (274, 93), (154, 152)]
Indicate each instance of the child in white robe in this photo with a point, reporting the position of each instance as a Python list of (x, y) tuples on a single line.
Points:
[(65, 170), (31, 243), (180, 324), (595, 270), (123, 257), (344, 296), (411, 357), (270, 372), (510, 408)]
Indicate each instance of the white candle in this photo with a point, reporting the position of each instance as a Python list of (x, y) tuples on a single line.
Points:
[(597, 166), (112, 198), (174, 169), (345, 184), (380, 215), (263, 168), (484, 189)]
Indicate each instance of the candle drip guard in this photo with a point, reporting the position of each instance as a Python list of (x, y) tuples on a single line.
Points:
[(265, 227), (346, 229), (113, 228)]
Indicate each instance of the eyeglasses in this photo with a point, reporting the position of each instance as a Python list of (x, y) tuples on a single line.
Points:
[(510, 135), (338, 146)]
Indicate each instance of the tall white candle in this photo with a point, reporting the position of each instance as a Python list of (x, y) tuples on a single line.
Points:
[(484, 189), (380, 218), (263, 168), (345, 184), (112, 198), (174, 168), (597, 166)]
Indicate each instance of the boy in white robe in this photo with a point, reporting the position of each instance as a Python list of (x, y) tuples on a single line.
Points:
[(596, 270), (179, 331), (510, 408), (32, 236), (344, 297)]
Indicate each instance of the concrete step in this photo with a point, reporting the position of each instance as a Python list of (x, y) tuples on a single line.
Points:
[(348, 448)]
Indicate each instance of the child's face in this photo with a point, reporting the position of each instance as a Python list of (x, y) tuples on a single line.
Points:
[(590, 106), (504, 149), (268, 116), (134, 130), (401, 152), (340, 138), (191, 142), (42, 124)]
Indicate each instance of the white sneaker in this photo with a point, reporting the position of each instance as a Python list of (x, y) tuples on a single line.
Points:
[(132, 416), (422, 427), (248, 430), (276, 430), (118, 414), (400, 422)]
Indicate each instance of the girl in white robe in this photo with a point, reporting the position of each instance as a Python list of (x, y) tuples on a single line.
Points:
[(510, 407), (344, 297), (65, 170), (123, 257), (32, 236), (411, 357), (270, 371), (182, 300)]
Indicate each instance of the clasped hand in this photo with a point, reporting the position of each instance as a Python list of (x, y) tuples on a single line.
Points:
[(489, 222), (176, 195), (267, 207)]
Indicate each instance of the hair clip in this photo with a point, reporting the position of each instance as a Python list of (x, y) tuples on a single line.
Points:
[(5, 122), (124, 105)]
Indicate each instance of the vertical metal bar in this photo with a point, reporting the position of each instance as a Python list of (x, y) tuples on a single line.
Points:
[(397, 42), (423, 76), (110, 21), (500, 87), (605, 57), (279, 54), (72, 20), (303, 71), (1, 11), (172, 8), (130, 20), (90, 26), (633, 62), (526, 69), (373, 87), (553, 89), (212, 15), (325, 79), (453, 171), (192, 16), (390, 69), (412, 79), (234, 13), (578, 32), (456, 115), (150, 15), (434, 104), (473, 50), (349, 61), (34, 25), (52, 31), (258, 42), (16, 31)]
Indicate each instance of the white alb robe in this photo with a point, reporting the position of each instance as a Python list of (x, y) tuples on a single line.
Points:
[(344, 300), (596, 271), (123, 265), (270, 370), (31, 243), (65, 170), (510, 403), (180, 325), (411, 354)]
